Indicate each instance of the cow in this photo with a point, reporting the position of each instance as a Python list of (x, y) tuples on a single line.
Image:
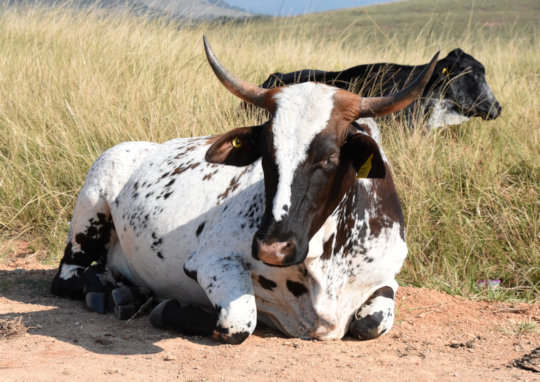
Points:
[(456, 92), (294, 223)]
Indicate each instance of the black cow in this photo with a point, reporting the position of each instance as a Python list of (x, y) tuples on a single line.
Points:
[(456, 92)]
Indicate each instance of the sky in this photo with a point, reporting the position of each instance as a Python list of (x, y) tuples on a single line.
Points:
[(297, 7)]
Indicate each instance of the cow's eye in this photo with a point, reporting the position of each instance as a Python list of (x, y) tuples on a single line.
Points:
[(331, 161), (236, 142)]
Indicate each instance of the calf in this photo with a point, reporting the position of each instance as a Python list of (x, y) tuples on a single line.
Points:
[(294, 223), (456, 92)]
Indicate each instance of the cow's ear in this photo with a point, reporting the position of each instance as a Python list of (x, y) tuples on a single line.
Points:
[(238, 147), (366, 156)]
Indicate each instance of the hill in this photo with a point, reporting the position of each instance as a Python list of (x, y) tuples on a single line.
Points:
[(175, 9)]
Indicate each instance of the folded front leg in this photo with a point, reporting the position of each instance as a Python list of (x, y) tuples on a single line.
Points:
[(227, 283)]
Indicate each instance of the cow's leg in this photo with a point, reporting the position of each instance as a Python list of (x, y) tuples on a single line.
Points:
[(375, 317), (90, 237), (227, 283)]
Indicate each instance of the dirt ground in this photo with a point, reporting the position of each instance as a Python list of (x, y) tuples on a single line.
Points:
[(435, 337)]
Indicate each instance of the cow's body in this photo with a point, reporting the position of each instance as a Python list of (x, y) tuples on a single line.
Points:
[(295, 223), (456, 92), (359, 249)]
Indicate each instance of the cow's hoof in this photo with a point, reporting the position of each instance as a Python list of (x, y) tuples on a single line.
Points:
[(122, 296), (124, 312), (160, 311), (96, 302)]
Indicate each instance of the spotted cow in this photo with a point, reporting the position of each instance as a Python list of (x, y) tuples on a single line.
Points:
[(294, 223), (456, 92)]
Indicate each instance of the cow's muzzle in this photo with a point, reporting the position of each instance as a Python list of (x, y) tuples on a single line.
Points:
[(277, 253)]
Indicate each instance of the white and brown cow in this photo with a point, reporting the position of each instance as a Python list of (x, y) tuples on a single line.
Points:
[(294, 223)]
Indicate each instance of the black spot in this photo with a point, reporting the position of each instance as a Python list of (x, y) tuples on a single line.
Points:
[(191, 274), (286, 208), (170, 183), (267, 284), (200, 228), (367, 328), (167, 195), (234, 339), (295, 288), (221, 329), (160, 255)]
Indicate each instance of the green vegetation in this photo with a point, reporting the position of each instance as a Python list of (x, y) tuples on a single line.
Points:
[(72, 85)]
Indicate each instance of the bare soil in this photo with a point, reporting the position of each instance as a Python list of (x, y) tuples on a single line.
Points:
[(435, 337)]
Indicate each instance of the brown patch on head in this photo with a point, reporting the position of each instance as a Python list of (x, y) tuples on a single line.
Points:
[(346, 106), (238, 147)]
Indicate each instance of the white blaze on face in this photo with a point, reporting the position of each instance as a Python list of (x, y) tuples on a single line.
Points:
[(303, 111)]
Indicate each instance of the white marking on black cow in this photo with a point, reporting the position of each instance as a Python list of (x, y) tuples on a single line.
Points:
[(203, 237)]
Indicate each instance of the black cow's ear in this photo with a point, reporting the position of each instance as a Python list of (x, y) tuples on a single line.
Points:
[(238, 147), (366, 156), (455, 53)]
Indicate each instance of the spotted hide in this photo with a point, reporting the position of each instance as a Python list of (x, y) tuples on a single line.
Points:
[(456, 92), (294, 223)]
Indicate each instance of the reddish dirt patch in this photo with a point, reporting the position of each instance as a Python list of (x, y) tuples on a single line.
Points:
[(436, 337)]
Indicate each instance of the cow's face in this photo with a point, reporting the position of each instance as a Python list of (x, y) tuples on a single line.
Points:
[(465, 82), (311, 155)]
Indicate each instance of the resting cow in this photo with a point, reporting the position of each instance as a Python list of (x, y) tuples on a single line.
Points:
[(307, 239), (456, 92)]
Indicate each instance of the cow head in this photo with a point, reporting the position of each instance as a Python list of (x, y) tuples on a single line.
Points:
[(465, 81), (311, 154)]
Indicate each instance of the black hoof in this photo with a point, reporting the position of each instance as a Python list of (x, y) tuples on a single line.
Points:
[(96, 302), (156, 317), (125, 312), (122, 296)]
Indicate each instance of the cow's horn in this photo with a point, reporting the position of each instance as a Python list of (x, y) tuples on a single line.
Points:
[(247, 92), (379, 106)]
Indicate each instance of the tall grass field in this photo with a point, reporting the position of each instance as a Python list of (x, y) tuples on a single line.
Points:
[(74, 83)]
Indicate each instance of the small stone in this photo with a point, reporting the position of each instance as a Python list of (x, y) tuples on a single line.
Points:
[(103, 341)]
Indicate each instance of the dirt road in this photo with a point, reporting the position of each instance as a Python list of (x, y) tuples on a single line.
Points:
[(435, 337)]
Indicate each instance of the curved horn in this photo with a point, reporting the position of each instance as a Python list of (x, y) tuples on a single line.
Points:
[(247, 92), (379, 106)]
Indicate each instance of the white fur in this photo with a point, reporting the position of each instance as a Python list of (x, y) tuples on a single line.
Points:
[(441, 115), (303, 111), (67, 271)]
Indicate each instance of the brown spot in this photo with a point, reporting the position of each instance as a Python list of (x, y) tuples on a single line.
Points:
[(233, 185), (327, 248)]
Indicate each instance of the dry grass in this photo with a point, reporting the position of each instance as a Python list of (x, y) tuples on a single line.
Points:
[(72, 85), (12, 327)]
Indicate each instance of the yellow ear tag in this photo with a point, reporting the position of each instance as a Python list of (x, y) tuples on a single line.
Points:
[(236, 142), (444, 71), (364, 170)]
